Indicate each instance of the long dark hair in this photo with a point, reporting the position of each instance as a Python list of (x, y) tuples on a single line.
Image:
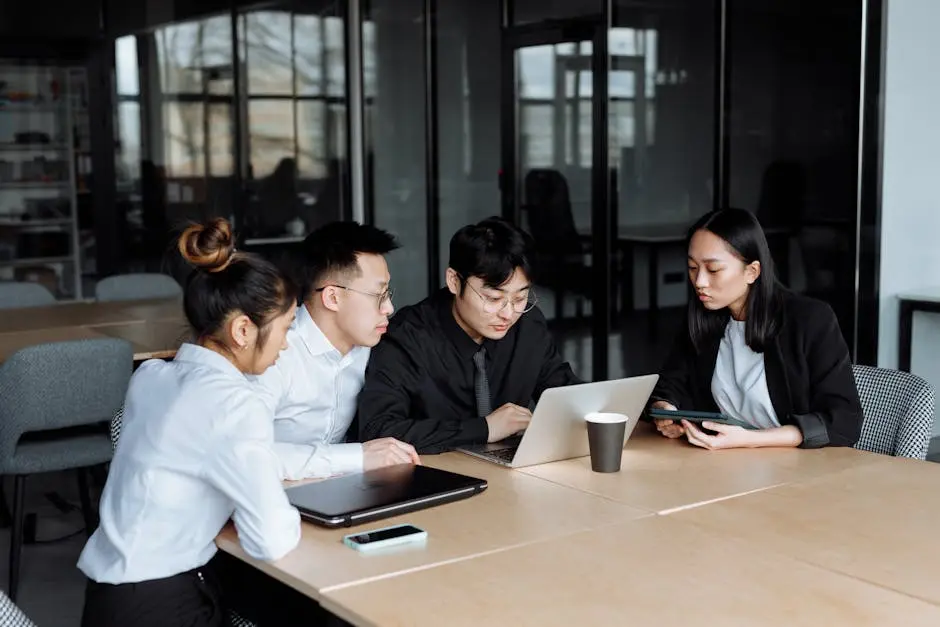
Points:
[(743, 235)]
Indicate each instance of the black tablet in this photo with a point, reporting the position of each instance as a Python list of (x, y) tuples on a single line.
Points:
[(698, 417), (376, 494)]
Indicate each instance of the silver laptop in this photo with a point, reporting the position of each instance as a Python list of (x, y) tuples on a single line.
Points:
[(558, 430)]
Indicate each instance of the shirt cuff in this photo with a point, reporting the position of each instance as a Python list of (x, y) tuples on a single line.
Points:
[(301, 461), (345, 458), (475, 431), (813, 427)]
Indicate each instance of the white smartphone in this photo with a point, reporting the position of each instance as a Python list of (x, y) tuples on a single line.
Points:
[(385, 537)]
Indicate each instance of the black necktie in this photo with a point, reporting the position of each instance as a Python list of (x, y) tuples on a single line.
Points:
[(481, 386)]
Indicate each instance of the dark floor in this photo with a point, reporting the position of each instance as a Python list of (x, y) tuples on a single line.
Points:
[(51, 587)]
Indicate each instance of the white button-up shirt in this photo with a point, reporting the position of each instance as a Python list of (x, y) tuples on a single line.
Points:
[(312, 391), (195, 448)]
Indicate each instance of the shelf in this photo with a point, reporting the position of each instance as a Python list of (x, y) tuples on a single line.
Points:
[(34, 261), (14, 185), (31, 108), (44, 106), (24, 224), (13, 147)]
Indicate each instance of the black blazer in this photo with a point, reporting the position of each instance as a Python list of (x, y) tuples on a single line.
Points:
[(808, 370)]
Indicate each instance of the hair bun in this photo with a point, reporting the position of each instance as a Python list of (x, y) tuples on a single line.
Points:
[(209, 246)]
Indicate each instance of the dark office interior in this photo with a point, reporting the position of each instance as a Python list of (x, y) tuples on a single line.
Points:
[(604, 127)]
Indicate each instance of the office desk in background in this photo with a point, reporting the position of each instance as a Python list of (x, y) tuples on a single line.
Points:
[(155, 328), (10, 343), (152, 339), (71, 314), (654, 237), (89, 313)]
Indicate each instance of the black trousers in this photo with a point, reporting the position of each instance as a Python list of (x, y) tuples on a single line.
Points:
[(264, 601), (203, 597), (190, 599)]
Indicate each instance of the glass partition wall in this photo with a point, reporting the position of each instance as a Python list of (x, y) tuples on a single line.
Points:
[(239, 115), (604, 127)]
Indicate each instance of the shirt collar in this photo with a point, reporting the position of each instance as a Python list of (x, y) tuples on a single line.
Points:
[(316, 341), (195, 354), (465, 345)]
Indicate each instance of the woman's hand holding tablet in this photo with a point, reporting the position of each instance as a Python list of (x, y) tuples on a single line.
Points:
[(708, 430), (669, 426), (697, 417)]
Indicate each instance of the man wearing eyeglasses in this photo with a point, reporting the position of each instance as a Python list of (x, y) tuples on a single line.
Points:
[(313, 386), (465, 365)]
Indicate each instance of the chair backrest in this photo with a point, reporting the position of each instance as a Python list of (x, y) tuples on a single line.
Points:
[(234, 619), (137, 286), (551, 220), (24, 294), (59, 385), (11, 615), (898, 408)]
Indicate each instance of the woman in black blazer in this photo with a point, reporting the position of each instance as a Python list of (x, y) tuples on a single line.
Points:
[(755, 351)]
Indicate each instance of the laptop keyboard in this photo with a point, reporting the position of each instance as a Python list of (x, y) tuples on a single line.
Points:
[(503, 454)]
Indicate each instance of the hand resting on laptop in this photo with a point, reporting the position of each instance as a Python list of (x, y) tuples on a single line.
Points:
[(387, 452), (508, 420)]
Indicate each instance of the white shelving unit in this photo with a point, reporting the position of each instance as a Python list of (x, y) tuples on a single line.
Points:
[(39, 231)]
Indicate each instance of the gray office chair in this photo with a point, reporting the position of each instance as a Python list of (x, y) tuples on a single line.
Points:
[(898, 409), (233, 619), (138, 286), (54, 398), (15, 294), (11, 615)]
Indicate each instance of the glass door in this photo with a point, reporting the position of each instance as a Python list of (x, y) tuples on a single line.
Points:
[(555, 178)]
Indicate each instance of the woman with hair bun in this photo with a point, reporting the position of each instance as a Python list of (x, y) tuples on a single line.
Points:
[(195, 450)]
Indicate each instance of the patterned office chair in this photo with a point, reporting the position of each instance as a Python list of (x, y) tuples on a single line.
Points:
[(117, 421), (11, 615), (898, 409), (234, 620)]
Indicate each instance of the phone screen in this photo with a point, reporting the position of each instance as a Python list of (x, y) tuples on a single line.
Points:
[(384, 534)]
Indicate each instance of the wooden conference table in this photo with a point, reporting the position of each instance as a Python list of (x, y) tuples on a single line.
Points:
[(679, 536), (155, 328)]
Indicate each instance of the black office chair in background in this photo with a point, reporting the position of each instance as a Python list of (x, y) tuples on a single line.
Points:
[(561, 252)]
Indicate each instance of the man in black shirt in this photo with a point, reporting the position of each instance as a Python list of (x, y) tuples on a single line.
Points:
[(465, 365)]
